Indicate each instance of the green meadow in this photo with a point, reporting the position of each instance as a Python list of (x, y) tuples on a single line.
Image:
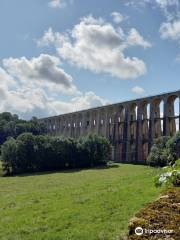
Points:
[(94, 204)]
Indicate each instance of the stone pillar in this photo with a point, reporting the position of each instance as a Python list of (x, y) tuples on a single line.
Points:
[(109, 125), (106, 122), (179, 110), (101, 123), (166, 120), (139, 134), (127, 133), (92, 121), (113, 153), (151, 125), (83, 123), (97, 122)]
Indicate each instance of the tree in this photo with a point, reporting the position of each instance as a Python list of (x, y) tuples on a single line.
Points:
[(98, 149), (12, 126), (9, 156), (172, 147), (159, 154), (26, 152)]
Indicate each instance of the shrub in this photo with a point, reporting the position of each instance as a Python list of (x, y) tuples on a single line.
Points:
[(26, 152), (164, 151), (159, 154), (171, 146), (9, 156), (97, 149), (170, 175), (29, 153)]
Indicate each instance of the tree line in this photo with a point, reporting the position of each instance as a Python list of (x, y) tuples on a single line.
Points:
[(36, 153), (12, 126)]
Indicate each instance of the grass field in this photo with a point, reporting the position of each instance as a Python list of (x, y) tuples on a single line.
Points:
[(91, 204)]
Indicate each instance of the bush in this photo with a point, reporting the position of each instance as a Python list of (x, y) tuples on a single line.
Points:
[(97, 148), (164, 151), (159, 154), (25, 152), (30, 153), (172, 147), (9, 156), (170, 175)]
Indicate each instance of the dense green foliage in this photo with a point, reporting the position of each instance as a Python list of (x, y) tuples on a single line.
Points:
[(29, 153), (12, 126), (159, 154), (163, 151), (93, 204), (169, 176), (171, 146)]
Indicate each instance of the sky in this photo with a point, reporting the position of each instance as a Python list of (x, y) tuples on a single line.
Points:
[(59, 56)]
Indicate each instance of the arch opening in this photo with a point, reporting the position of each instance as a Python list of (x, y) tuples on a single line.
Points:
[(158, 117), (173, 111)]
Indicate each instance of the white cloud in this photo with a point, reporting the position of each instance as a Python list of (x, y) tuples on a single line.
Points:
[(170, 30), (50, 37), (134, 38), (57, 4), (25, 85), (138, 90), (137, 4), (6, 79), (117, 17), (177, 58), (28, 102), (98, 46), (84, 101), (42, 71), (166, 3), (169, 8)]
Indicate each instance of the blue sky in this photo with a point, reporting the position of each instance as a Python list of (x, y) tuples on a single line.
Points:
[(61, 56)]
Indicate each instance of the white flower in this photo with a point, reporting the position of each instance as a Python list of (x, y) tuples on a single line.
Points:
[(163, 177)]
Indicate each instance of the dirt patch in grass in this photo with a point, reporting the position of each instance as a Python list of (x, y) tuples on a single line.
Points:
[(163, 214)]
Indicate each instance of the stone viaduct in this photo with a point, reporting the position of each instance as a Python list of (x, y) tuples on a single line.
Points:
[(130, 126)]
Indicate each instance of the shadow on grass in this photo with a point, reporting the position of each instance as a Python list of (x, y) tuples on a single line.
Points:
[(114, 165)]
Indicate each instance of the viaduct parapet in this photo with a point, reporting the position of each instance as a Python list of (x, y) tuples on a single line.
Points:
[(130, 126)]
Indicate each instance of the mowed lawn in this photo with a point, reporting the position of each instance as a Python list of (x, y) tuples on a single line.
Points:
[(91, 204)]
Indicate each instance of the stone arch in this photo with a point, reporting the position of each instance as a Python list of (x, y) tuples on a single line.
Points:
[(158, 116), (67, 129), (102, 123), (48, 124), (133, 131), (86, 122), (67, 124), (73, 125), (93, 121), (63, 126), (111, 119), (173, 114), (119, 132), (144, 131), (59, 123), (133, 120), (145, 120), (145, 151), (119, 122)]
